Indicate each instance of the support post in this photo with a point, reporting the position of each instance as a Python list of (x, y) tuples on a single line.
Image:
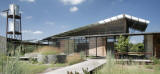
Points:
[(21, 35), (14, 20), (81, 44), (74, 44), (96, 46), (86, 47), (78, 45), (68, 46), (7, 36), (48, 42)]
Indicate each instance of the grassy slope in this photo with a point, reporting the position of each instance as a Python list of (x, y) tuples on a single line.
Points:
[(129, 69), (34, 68), (111, 67), (38, 68)]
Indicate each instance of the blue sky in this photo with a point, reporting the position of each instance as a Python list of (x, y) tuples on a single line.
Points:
[(43, 18)]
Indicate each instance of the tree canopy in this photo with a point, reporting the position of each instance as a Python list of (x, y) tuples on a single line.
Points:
[(123, 45)]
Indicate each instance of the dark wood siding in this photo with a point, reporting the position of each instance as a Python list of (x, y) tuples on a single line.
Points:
[(156, 45)]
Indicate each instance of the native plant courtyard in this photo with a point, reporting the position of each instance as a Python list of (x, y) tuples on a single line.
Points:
[(122, 44), (47, 58)]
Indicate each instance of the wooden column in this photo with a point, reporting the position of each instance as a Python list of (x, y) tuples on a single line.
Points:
[(86, 47), (48, 42), (68, 46), (7, 35), (21, 35), (96, 46), (74, 44)]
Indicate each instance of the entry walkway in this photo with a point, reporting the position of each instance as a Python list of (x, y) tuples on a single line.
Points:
[(91, 64)]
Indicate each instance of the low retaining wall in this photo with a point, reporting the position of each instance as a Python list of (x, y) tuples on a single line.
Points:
[(51, 58)]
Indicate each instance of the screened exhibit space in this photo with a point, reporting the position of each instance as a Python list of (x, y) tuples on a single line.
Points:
[(98, 38)]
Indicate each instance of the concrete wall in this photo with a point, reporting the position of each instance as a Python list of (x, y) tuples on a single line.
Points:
[(2, 44), (101, 49), (148, 39)]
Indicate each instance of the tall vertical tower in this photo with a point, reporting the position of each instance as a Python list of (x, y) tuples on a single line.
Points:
[(13, 28)]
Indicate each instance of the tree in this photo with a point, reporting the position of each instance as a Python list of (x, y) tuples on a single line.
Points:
[(139, 47), (122, 44)]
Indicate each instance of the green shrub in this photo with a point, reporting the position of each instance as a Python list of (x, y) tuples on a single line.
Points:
[(33, 60), (112, 68), (139, 47), (155, 60), (13, 66), (34, 68)]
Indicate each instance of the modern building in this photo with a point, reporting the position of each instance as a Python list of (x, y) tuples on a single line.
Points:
[(96, 39)]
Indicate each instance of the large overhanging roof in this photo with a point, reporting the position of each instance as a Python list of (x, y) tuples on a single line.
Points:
[(123, 16), (123, 34), (115, 18)]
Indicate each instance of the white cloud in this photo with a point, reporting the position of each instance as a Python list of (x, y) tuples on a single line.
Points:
[(37, 32), (49, 23), (31, 1), (72, 2), (32, 32), (28, 17), (3, 14), (73, 9)]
